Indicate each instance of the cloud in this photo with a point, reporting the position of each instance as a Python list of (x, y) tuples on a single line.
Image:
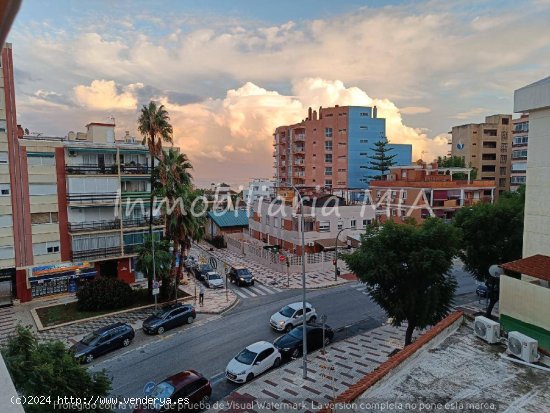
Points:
[(471, 114), (414, 110), (104, 94)]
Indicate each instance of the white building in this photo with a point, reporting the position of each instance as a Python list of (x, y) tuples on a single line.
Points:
[(258, 188)]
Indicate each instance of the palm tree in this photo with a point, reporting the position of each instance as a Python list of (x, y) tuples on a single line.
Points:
[(154, 125), (160, 264)]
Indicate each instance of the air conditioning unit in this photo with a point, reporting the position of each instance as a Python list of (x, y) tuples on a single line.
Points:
[(487, 329), (523, 347)]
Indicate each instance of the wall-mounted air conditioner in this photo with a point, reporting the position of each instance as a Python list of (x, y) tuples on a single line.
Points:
[(487, 329)]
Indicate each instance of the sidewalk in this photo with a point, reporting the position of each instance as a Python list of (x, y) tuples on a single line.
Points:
[(344, 363), (216, 301), (269, 277)]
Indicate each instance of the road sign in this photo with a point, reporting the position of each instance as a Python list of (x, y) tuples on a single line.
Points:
[(202, 260), (148, 389), (156, 284), (282, 258), (156, 291), (213, 262)]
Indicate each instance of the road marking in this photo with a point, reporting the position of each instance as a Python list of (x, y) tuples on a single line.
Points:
[(265, 289), (239, 293)]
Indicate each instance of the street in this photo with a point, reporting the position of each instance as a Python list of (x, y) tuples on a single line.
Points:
[(208, 348)]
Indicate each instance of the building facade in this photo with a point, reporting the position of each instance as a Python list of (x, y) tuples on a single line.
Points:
[(487, 147), (520, 142), (258, 188), (330, 148), (424, 190)]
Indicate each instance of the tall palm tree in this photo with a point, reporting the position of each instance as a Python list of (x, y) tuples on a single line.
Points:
[(154, 125)]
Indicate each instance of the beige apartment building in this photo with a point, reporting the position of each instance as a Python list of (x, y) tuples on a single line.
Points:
[(487, 147)]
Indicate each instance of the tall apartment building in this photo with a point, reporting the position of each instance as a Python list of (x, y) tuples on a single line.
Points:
[(331, 148), (487, 147), (520, 141)]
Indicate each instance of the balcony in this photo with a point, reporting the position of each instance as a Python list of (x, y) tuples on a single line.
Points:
[(141, 222), (299, 150), (94, 226), (131, 249), (135, 170), (96, 253), (94, 198), (91, 169), (300, 137)]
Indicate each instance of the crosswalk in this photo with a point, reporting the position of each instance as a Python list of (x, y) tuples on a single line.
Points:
[(359, 286), (7, 323), (256, 290)]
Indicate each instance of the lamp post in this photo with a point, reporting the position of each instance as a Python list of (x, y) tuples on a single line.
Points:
[(304, 336), (336, 254)]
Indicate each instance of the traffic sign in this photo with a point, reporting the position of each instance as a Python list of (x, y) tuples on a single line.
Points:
[(156, 291), (213, 262), (282, 258), (148, 389), (156, 284)]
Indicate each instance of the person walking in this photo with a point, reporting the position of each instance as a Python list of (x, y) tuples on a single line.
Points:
[(201, 295)]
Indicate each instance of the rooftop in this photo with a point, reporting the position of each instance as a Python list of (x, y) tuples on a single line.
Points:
[(224, 219), (537, 266)]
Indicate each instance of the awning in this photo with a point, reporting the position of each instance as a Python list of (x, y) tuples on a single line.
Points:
[(537, 266), (63, 275), (330, 243), (95, 150)]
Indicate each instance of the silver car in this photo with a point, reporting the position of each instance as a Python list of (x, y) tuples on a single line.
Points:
[(213, 280)]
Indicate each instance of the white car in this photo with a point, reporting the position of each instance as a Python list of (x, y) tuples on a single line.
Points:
[(253, 361), (291, 316), (213, 280)]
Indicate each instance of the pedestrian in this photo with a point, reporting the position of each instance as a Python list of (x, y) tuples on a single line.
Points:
[(201, 295)]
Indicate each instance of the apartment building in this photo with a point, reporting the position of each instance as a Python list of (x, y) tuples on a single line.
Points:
[(487, 147), (259, 188), (520, 141), (330, 148), (425, 190), (279, 224)]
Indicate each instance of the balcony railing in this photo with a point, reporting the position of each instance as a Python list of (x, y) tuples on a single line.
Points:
[(131, 249), (91, 169), (94, 198), (141, 222), (96, 253), (135, 169), (94, 225)]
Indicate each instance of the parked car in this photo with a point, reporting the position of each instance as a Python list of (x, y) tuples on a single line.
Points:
[(292, 315), (482, 290), (252, 361), (213, 280), (191, 262), (291, 344), (241, 276), (168, 317), (188, 384), (201, 270), (102, 341)]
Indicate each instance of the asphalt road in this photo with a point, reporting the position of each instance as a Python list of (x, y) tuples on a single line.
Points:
[(209, 347)]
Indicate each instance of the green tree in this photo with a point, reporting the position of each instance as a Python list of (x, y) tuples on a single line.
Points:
[(154, 125), (382, 160), (491, 234), (48, 369), (456, 162), (162, 263), (406, 270)]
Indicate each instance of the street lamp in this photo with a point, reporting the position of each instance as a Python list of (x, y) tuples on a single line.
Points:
[(336, 254), (304, 336)]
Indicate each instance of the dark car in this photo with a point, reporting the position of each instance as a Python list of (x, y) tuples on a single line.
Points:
[(482, 290), (190, 385), (102, 341), (202, 270), (168, 317), (241, 276), (291, 344)]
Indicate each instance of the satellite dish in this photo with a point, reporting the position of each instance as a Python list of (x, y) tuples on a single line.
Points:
[(495, 271)]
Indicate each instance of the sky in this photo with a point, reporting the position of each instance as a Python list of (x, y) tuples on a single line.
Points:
[(229, 72)]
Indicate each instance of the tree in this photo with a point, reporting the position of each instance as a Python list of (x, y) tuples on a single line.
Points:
[(491, 234), (162, 263), (49, 369), (406, 270), (154, 125), (456, 162), (381, 161)]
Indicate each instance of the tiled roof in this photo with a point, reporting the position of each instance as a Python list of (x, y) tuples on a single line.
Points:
[(330, 243), (224, 219), (537, 266)]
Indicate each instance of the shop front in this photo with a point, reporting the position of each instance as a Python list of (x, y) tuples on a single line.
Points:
[(7, 280), (59, 278)]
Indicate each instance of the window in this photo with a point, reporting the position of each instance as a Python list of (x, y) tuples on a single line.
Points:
[(490, 144), (363, 141), (328, 171), (517, 180), (2, 126), (363, 127), (363, 154), (328, 145), (4, 189), (40, 159), (42, 189), (366, 222), (3, 158), (519, 154), (521, 140), (341, 170), (328, 158), (324, 226), (503, 170), (394, 212), (267, 220), (340, 225), (505, 121), (328, 132), (44, 218), (353, 224), (364, 114), (6, 221), (503, 146), (490, 132), (503, 158), (403, 194), (488, 168), (519, 167), (43, 248), (328, 182), (489, 156), (502, 182), (7, 253)]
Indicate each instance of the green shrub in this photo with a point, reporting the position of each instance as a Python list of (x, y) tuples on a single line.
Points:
[(104, 294)]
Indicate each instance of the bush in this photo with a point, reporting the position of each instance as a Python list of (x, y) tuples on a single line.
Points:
[(218, 241), (104, 294)]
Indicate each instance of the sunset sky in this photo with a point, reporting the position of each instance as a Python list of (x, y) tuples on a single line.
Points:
[(229, 72)]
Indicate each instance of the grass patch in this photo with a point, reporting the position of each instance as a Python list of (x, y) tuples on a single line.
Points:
[(65, 313)]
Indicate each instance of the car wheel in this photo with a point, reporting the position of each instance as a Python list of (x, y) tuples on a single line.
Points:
[(249, 377), (295, 353), (252, 283), (288, 328), (312, 319), (190, 319), (277, 362), (89, 358), (126, 342), (160, 330)]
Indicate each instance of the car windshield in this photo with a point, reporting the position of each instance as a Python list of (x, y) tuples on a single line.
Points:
[(162, 390), (88, 339), (296, 333), (160, 313), (206, 268), (286, 311), (214, 277), (246, 357), (243, 271)]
